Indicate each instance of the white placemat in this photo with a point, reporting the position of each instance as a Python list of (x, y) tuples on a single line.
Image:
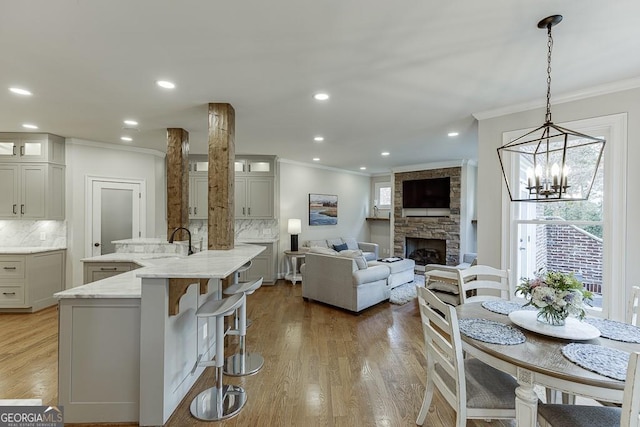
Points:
[(491, 332), (616, 331), (606, 361), (501, 306)]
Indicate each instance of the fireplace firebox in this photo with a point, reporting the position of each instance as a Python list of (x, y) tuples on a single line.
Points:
[(426, 251)]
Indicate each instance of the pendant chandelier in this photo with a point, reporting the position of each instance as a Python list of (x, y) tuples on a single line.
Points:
[(550, 163)]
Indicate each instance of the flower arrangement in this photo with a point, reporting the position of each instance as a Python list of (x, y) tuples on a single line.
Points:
[(556, 296)]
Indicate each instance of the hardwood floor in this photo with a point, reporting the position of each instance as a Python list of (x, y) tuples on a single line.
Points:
[(323, 366)]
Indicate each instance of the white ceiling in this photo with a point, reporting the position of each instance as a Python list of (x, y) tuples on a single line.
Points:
[(401, 74)]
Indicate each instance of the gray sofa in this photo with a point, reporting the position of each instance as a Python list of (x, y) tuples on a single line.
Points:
[(369, 250), (348, 281)]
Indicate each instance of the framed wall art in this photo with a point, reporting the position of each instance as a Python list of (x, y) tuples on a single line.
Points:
[(323, 209)]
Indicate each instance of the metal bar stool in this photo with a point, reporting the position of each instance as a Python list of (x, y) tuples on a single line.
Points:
[(243, 363), (221, 401), (236, 279)]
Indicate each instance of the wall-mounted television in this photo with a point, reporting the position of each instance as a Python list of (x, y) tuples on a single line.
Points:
[(426, 193)]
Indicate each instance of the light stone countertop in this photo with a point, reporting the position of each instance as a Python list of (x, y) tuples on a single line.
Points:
[(257, 240), (210, 264), (21, 250), (202, 265)]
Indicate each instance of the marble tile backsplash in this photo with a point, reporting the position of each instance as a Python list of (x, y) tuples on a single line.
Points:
[(244, 229), (25, 233)]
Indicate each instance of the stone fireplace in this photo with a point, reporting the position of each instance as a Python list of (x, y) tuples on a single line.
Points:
[(445, 229), (426, 251)]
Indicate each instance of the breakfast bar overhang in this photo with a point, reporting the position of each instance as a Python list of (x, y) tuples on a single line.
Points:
[(128, 344)]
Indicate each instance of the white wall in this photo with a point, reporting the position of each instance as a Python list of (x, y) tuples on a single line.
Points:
[(297, 180), (86, 158), (490, 178), (468, 226), (380, 231)]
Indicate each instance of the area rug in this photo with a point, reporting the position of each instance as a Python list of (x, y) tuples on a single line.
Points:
[(405, 293)]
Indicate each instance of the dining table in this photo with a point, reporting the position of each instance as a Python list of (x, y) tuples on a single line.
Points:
[(539, 361)]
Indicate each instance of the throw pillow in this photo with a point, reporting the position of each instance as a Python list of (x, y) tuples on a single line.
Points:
[(351, 243), (340, 247), (444, 287), (319, 243), (332, 242), (321, 250), (357, 256)]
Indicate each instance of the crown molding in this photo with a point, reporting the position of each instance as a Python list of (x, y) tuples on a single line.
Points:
[(434, 165), (317, 166), (107, 146), (604, 89)]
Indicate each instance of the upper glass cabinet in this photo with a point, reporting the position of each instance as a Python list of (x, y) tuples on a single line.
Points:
[(21, 150), (254, 165), (259, 165)]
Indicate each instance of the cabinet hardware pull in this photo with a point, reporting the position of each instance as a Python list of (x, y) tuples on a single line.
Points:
[(242, 211), (8, 293), (249, 213), (15, 212), (195, 210), (14, 150), (22, 150), (189, 210), (22, 209), (9, 268), (108, 268)]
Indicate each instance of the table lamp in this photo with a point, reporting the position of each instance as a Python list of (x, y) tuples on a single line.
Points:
[(294, 227)]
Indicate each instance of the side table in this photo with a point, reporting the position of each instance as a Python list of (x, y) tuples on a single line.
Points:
[(293, 275)]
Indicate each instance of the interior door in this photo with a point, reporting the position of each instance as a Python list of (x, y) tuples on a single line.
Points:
[(115, 214)]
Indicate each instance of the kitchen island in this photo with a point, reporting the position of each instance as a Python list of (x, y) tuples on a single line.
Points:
[(127, 344)]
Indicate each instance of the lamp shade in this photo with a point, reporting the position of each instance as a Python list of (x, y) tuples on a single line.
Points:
[(294, 226)]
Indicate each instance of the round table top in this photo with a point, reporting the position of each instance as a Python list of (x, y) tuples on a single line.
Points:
[(540, 353)]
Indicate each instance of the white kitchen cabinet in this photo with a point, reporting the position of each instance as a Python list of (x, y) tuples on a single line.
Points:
[(31, 191), (28, 282), (263, 265), (198, 195), (94, 271), (254, 187), (28, 147), (254, 197)]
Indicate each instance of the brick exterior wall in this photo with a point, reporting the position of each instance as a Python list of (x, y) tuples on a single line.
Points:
[(446, 228), (570, 248)]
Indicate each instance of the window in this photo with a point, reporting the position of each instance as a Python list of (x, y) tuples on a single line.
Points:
[(583, 237), (382, 195)]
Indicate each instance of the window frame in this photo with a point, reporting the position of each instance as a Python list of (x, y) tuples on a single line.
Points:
[(376, 194), (614, 215)]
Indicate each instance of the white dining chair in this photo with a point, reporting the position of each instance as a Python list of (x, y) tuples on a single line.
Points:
[(633, 306), (474, 389), (593, 416), (483, 277)]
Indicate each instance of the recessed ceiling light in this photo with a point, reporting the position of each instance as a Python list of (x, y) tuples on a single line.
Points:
[(126, 138), (452, 134), (131, 123), (20, 91), (321, 96), (316, 159), (165, 84), (29, 126), (385, 153), (318, 138), (363, 168)]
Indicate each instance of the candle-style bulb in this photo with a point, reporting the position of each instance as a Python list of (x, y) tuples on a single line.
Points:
[(555, 170)]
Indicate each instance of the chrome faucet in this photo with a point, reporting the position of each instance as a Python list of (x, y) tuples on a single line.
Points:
[(190, 251)]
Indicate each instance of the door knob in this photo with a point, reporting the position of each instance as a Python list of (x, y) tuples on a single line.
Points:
[(96, 244)]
